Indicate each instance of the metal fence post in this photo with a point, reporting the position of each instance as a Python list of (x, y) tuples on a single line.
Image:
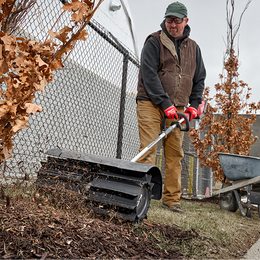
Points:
[(122, 107)]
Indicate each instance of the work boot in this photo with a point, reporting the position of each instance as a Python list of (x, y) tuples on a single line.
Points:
[(174, 208)]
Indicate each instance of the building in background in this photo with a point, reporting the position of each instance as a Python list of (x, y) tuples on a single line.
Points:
[(115, 16)]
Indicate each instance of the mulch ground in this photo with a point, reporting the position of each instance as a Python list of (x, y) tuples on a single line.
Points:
[(35, 227), (32, 230)]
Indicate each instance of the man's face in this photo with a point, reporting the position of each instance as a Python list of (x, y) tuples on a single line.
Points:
[(173, 28)]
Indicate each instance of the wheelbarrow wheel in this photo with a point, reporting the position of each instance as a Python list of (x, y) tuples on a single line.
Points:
[(228, 200)]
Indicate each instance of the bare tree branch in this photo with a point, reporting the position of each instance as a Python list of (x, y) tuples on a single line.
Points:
[(233, 29), (15, 17)]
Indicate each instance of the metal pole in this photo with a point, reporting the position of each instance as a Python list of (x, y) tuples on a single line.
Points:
[(161, 136), (197, 164), (122, 109)]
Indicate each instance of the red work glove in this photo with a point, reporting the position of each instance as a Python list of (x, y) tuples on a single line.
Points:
[(171, 112), (191, 113)]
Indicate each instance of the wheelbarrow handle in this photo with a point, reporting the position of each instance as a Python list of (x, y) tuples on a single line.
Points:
[(178, 123)]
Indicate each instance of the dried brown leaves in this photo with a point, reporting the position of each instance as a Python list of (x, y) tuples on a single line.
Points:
[(227, 129), (26, 66)]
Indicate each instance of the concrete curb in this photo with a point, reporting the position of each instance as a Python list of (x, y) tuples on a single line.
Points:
[(253, 252)]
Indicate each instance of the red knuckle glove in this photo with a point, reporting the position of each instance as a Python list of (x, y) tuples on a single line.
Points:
[(191, 113), (171, 112), (188, 116)]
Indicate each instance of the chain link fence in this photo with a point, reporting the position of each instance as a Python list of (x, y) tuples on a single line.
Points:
[(90, 106), (196, 181)]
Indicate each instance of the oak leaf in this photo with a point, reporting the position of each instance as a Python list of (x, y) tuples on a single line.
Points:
[(3, 110), (40, 86), (1, 51), (13, 110), (20, 124), (56, 64), (75, 5), (62, 35), (32, 108), (3, 67), (89, 3), (7, 152), (82, 35), (9, 43), (80, 14), (40, 61)]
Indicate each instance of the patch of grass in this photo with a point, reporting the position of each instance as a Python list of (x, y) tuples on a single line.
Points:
[(17, 190), (172, 240), (226, 230)]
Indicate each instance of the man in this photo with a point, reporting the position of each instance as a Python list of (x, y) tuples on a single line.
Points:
[(171, 76)]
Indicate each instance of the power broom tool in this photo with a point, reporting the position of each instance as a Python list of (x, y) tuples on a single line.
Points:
[(109, 185)]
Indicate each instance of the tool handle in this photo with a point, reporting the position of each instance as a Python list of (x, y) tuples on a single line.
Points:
[(165, 132), (178, 123)]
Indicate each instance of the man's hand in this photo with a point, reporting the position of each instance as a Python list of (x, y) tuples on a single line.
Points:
[(171, 112), (191, 113)]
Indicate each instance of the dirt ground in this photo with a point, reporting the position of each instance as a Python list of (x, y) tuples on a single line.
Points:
[(32, 229)]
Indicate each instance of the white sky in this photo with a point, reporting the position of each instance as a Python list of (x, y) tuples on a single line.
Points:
[(207, 19)]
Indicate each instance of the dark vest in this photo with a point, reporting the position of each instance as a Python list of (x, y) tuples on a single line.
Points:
[(176, 78)]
